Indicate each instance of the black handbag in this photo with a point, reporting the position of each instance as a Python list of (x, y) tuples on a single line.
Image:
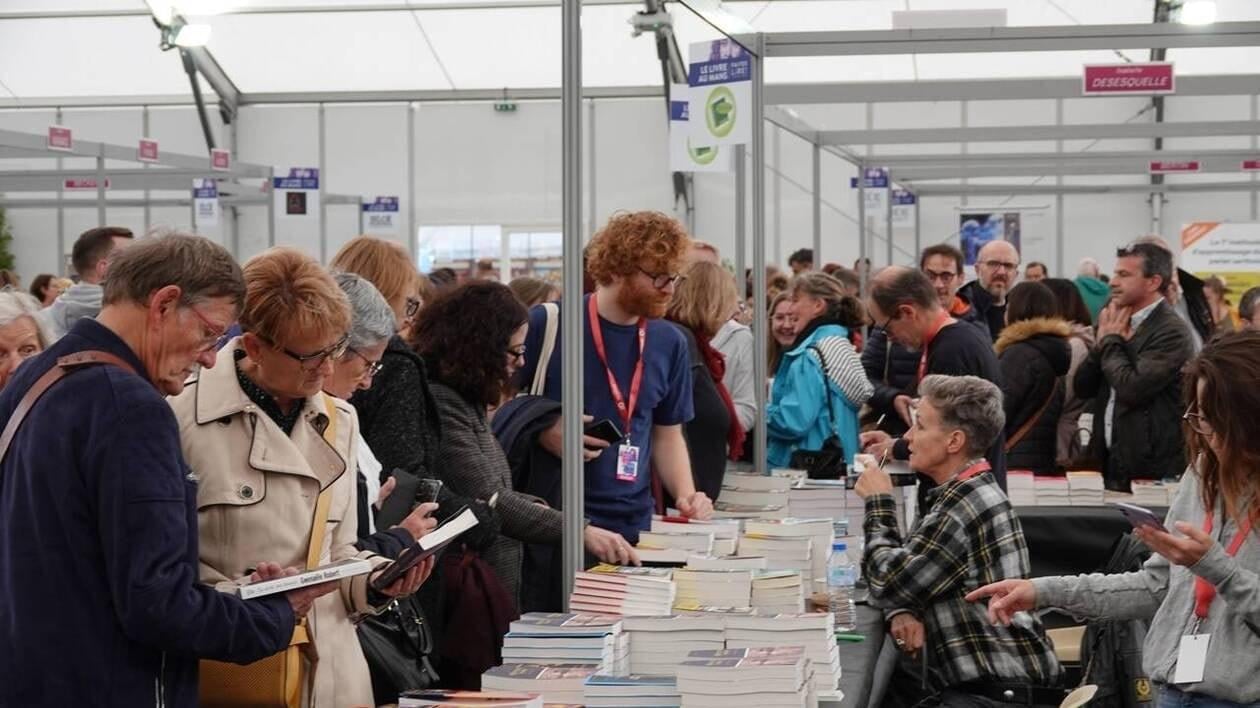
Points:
[(827, 462), (397, 644)]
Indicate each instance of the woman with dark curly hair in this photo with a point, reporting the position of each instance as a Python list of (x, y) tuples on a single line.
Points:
[(469, 369)]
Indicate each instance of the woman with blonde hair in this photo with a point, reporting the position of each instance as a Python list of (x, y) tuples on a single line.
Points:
[(22, 335), (703, 300), (275, 463), (533, 291)]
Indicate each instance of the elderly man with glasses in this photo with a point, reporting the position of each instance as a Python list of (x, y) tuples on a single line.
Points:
[(997, 269)]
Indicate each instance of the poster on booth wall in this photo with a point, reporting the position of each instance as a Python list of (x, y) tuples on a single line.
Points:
[(205, 203), (685, 155), (875, 190), (978, 228), (720, 79), (380, 217), (1228, 251), (297, 195), (904, 205)]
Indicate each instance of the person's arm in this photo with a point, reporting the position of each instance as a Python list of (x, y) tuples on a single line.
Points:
[(844, 362), (875, 356), (799, 400), (1089, 378), (931, 563), (144, 536), (671, 461), (345, 533), (740, 366), (1139, 380), (1122, 596)]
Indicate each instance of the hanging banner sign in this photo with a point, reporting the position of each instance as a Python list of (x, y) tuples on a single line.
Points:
[(684, 154), (297, 195), (904, 205), (1140, 79), (1163, 167), (147, 151), (60, 138), (205, 203), (81, 183), (720, 77), (1251, 165), (876, 178), (380, 216), (220, 160), (875, 184)]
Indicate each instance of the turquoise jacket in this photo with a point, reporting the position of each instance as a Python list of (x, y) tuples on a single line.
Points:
[(797, 417)]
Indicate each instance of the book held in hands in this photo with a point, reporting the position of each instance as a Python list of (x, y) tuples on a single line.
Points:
[(429, 544), (324, 574)]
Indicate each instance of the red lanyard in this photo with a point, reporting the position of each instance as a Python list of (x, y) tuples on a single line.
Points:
[(625, 409), (941, 321), (1205, 592), (972, 471)]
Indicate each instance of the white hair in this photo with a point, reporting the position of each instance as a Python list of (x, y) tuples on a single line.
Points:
[(1088, 268), (14, 305), (371, 318)]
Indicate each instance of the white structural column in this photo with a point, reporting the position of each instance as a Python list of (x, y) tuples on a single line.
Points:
[(888, 220), (323, 182), (572, 466), (776, 234), (741, 216), (817, 204), (761, 325), (1058, 200)]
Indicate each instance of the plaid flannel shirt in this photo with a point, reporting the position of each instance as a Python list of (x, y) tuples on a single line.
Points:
[(968, 537)]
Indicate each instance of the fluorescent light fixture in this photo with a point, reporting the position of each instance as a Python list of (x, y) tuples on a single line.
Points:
[(1198, 12), (163, 10), (190, 36)]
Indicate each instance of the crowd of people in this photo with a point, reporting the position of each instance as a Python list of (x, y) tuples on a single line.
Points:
[(222, 423)]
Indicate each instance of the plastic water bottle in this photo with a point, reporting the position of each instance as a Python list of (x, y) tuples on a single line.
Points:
[(841, 577)]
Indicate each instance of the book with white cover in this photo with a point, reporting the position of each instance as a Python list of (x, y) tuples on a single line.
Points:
[(740, 496), (725, 510), (697, 562), (565, 623), (755, 483), (663, 556), (720, 528), (324, 574), (696, 542)]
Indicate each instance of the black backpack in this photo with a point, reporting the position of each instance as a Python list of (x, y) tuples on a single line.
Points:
[(1111, 650)]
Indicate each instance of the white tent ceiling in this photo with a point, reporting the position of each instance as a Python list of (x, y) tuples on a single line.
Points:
[(441, 49)]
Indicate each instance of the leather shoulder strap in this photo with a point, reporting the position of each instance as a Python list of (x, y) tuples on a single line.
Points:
[(324, 502), (1024, 429), (64, 366)]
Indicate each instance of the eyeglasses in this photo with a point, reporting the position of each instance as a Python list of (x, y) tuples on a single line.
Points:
[(373, 367), (312, 362), (517, 354), (660, 281), (1002, 265), (210, 333), (413, 306), (944, 277), (1197, 422)]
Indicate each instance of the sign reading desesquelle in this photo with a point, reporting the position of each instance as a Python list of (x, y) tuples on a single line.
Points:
[(1142, 79)]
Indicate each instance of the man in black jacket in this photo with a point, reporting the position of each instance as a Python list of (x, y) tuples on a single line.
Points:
[(1134, 372), (997, 267)]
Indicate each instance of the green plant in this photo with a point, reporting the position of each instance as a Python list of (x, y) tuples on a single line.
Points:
[(6, 241)]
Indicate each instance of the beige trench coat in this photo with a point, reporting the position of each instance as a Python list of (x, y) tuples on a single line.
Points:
[(256, 502)]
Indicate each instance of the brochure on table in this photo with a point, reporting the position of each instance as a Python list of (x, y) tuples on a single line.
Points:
[(296, 197), (1230, 251), (381, 217), (720, 79), (686, 152), (205, 204)]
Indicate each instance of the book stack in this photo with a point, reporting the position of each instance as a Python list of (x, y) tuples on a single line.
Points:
[(781, 553), (726, 562), (1053, 491), (1149, 493), (712, 588), (723, 509), (725, 531), (620, 590), (1021, 488), (659, 644), (556, 684), (819, 530), (567, 639), (815, 631), (753, 495), (767, 678), (674, 545), (817, 499), (637, 691), (778, 592), (454, 698), (1085, 488)]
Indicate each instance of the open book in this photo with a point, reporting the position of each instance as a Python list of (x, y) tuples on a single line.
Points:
[(430, 543)]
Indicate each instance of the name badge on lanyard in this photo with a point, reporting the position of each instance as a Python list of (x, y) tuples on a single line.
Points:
[(627, 463), (627, 453), (1192, 652)]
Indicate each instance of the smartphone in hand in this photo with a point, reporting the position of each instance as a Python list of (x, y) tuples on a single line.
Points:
[(605, 430), (1139, 516)]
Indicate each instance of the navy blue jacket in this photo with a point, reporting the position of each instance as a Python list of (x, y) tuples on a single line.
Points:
[(100, 603)]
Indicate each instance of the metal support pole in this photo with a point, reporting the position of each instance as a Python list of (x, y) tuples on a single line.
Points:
[(741, 216), (817, 195), (1058, 200), (888, 225), (100, 189), (590, 176), (235, 234), (61, 214), (761, 328), (323, 180), (861, 210), (573, 467), (144, 131), (412, 234), (1255, 146), (271, 209), (918, 225), (776, 234)]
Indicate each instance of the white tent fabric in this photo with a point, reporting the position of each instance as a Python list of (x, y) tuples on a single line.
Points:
[(442, 49)]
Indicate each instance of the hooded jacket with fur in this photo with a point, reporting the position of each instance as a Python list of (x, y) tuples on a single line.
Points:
[(1034, 356)]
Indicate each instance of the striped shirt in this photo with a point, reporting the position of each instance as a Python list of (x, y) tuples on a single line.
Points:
[(842, 365), (969, 537)]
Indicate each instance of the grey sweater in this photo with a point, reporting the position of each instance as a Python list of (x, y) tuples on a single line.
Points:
[(1164, 595)]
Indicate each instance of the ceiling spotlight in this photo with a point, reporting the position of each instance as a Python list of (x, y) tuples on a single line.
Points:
[(1198, 12)]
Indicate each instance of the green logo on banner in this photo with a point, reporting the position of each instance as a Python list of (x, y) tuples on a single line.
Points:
[(719, 111), (701, 155)]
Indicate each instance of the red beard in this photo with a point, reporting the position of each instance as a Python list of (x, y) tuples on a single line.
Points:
[(642, 301)]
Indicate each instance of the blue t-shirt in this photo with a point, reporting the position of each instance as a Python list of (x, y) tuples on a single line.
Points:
[(665, 398)]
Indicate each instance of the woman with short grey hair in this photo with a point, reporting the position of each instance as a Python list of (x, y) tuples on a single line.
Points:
[(22, 335)]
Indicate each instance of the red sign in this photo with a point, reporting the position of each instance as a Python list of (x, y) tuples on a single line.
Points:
[(1251, 165), (1159, 167), (220, 160), (82, 183), (59, 138), (148, 150), (1141, 79)]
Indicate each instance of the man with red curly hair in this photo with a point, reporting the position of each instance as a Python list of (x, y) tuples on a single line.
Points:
[(637, 373)]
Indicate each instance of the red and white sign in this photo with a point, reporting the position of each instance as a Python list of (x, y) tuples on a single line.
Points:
[(1141, 79), (220, 160), (60, 138), (1251, 165), (147, 151), (1162, 167), (79, 183)]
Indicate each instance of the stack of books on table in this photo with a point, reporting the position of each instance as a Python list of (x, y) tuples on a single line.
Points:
[(659, 644), (819, 530), (633, 691), (622, 590), (673, 546), (778, 592), (1085, 488), (712, 588), (726, 562), (1021, 488), (454, 698), (815, 631), (1053, 491), (766, 678), (816, 499), (725, 531), (723, 509), (567, 639), (765, 496), (1149, 493), (556, 684)]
